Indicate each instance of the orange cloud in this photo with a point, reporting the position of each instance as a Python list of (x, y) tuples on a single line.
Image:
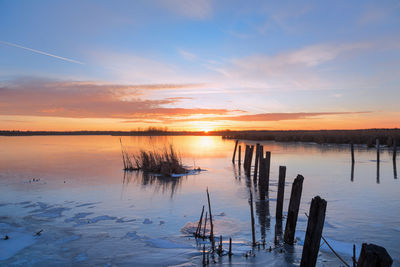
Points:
[(90, 100)]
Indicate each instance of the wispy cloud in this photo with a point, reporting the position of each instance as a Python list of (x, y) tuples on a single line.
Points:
[(199, 9), (276, 116), (42, 52), (187, 55)]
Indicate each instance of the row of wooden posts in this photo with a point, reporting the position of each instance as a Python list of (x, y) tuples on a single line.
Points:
[(316, 216), (378, 149)]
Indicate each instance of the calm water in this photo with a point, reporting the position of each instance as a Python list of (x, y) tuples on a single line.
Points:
[(91, 213)]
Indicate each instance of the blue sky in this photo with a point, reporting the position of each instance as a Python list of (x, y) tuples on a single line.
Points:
[(335, 62)]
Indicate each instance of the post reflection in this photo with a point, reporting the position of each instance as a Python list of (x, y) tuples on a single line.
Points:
[(264, 218), (159, 183), (352, 172)]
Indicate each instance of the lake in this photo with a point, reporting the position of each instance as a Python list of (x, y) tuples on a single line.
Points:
[(93, 213)]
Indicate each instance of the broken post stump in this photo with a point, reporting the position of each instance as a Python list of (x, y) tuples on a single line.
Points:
[(293, 210), (315, 225), (234, 151), (373, 256), (281, 192)]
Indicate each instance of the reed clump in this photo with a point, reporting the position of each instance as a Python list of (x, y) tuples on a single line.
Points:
[(165, 162)]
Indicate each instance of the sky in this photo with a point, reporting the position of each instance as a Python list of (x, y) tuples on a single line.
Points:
[(199, 65)]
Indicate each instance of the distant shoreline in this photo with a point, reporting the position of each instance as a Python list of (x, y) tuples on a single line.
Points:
[(367, 136)]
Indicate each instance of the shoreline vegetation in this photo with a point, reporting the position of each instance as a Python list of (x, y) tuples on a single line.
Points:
[(366, 136)]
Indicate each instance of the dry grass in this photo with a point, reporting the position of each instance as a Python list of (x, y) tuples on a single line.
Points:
[(165, 162)]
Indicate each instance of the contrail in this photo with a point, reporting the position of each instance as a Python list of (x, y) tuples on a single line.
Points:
[(43, 53)]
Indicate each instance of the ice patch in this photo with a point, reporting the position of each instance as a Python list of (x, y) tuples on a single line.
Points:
[(122, 220), (81, 257), (78, 216), (87, 204), (52, 213), (132, 235), (147, 221), (18, 240), (101, 218), (68, 239), (165, 243)]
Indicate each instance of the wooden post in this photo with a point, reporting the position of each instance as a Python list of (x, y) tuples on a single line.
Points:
[(267, 168), (246, 155), (262, 178), (293, 211), (250, 158), (253, 234), (372, 255), (315, 225), (281, 192), (354, 256), (211, 222), (204, 255), (205, 226), (260, 157), (352, 152), (377, 150), (234, 151), (220, 246), (230, 247), (256, 163), (394, 169), (394, 149), (198, 230), (240, 155)]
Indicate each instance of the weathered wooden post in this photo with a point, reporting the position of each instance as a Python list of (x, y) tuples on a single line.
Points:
[(240, 155), (394, 149), (198, 230), (377, 150), (250, 157), (262, 177), (394, 169), (374, 256), (211, 222), (281, 192), (377, 160), (230, 247), (246, 157), (315, 225), (260, 157), (354, 259), (352, 152), (293, 210), (256, 164), (267, 169), (205, 226), (234, 151), (253, 234)]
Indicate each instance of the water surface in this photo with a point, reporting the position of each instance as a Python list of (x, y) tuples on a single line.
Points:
[(92, 213)]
